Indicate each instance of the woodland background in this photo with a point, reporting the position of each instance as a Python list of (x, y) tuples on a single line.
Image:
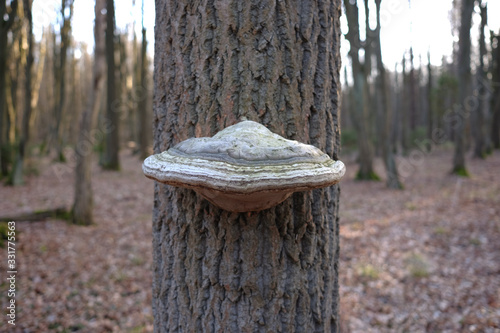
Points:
[(420, 216)]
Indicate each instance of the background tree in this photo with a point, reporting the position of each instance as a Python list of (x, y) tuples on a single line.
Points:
[(480, 115), (495, 101), (360, 103), (278, 64), (464, 85), (144, 125), (83, 203), (60, 74), (111, 160), (385, 111), (7, 16), (17, 178)]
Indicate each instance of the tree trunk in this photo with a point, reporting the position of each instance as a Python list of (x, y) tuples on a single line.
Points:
[(385, 112), (18, 177), (464, 74), (144, 125), (111, 160), (480, 114), (278, 64), (495, 101), (82, 207), (6, 21), (61, 75), (361, 95), (430, 103)]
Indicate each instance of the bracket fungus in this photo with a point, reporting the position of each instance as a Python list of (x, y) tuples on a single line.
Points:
[(244, 167)]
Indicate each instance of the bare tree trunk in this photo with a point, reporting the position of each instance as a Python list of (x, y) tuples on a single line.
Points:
[(430, 103), (479, 115), (6, 21), (385, 112), (111, 160), (82, 207), (278, 64), (464, 74), (406, 106), (412, 94), (145, 126), (361, 94), (495, 101), (61, 75), (18, 178)]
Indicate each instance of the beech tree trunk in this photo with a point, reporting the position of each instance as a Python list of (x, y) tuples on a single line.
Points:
[(277, 63), (464, 85), (88, 137)]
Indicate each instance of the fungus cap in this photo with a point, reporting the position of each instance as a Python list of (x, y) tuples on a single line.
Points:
[(244, 167)]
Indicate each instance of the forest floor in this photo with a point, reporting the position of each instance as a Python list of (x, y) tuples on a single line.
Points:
[(425, 259)]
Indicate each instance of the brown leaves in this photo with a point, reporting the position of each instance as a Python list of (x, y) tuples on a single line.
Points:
[(425, 259)]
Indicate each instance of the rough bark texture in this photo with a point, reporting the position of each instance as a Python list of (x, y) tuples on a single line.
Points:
[(88, 137), (277, 63), (464, 87)]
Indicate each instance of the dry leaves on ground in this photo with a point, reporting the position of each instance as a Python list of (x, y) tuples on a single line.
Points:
[(425, 259)]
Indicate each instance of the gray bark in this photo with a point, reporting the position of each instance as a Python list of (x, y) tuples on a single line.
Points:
[(82, 207), (276, 63), (464, 88)]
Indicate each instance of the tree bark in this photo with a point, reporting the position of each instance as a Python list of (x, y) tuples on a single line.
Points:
[(464, 74), (276, 63), (111, 160), (82, 206)]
